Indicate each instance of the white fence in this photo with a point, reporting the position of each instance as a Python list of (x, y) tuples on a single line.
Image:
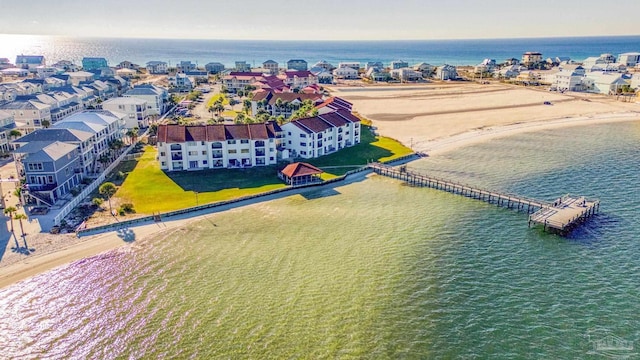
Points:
[(94, 185)]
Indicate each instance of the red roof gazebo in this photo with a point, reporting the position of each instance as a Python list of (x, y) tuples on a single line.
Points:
[(300, 173)]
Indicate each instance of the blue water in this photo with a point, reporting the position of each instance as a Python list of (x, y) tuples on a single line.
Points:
[(436, 52)]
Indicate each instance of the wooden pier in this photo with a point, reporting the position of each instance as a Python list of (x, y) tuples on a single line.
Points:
[(561, 215)]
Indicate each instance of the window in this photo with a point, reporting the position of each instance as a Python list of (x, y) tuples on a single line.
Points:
[(50, 178), (244, 141), (34, 166), (303, 144), (303, 153), (289, 133), (231, 142), (204, 162), (191, 143), (303, 135), (233, 151), (244, 151), (201, 142), (204, 152), (193, 153), (162, 153), (164, 163)]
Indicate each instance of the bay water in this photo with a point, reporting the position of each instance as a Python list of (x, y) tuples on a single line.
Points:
[(372, 269)]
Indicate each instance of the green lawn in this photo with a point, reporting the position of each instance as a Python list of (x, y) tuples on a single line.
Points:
[(371, 148), (215, 97), (150, 189)]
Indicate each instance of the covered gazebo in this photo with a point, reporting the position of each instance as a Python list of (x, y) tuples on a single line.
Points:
[(300, 174)]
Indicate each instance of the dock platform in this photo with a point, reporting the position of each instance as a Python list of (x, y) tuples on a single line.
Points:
[(560, 216)]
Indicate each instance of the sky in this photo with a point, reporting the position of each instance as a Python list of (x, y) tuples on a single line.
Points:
[(320, 20)]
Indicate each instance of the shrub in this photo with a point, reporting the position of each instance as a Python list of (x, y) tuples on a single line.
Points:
[(121, 212), (128, 208)]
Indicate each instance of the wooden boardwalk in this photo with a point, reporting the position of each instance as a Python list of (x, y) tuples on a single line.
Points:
[(561, 215)]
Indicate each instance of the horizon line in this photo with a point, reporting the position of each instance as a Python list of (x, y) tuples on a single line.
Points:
[(324, 40)]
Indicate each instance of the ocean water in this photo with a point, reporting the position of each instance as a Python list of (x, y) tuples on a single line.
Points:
[(374, 269), (436, 52)]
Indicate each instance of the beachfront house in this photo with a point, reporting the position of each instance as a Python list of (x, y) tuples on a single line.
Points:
[(128, 65), (27, 113), (629, 59), (324, 76), (405, 74), (607, 83), (197, 147), (214, 67), (398, 64), (49, 169), (271, 66), (29, 62), (135, 109), (377, 74), (321, 135), (157, 67), (297, 64), (94, 63), (184, 66), (425, 68), (323, 64), (531, 58), (346, 73), (446, 72), (350, 64), (156, 97)]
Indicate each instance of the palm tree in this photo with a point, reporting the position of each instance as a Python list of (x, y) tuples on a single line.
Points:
[(10, 210), (107, 190), (15, 133), (21, 217), (133, 134), (45, 123)]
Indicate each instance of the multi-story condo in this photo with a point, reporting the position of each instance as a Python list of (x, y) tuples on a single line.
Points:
[(321, 135), (284, 104), (200, 147), (28, 114), (185, 66), (156, 97), (29, 62), (299, 79), (136, 110), (272, 66), (531, 57), (157, 67), (399, 64), (7, 123), (214, 67)]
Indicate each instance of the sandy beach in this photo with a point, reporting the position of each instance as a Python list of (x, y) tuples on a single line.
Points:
[(432, 118)]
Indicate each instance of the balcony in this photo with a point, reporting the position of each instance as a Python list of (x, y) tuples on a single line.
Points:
[(259, 143), (176, 157), (260, 152), (217, 154), (41, 187)]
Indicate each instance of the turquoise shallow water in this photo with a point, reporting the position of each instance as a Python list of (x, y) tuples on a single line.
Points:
[(374, 269)]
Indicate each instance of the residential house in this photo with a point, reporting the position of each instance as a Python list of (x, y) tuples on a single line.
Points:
[(7, 123), (94, 63), (405, 74), (324, 65), (50, 170), (29, 62), (508, 71), (81, 140), (218, 146), (531, 58), (76, 77), (373, 64), (487, 65), (284, 104), (607, 83), (28, 114), (46, 71), (350, 64), (157, 67), (377, 74), (156, 98), (181, 82), (235, 81), (66, 65), (214, 67), (446, 72), (324, 76), (271, 66), (128, 65), (399, 64), (424, 68), (197, 76), (345, 73), (243, 66), (5, 64), (136, 110), (569, 78), (297, 64), (185, 66), (15, 72), (629, 59), (321, 135)]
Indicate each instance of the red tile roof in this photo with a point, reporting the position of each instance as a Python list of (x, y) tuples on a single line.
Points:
[(314, 124), (218, 132), (300, 169), (337, 103)]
